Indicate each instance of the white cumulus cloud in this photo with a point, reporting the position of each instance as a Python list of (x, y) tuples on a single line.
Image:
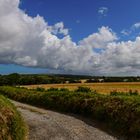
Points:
[(100, 39), (58, 28), (31, 42)]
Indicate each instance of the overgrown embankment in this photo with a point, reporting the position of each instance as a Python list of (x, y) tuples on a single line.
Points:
[(120, 112), (12, 126)]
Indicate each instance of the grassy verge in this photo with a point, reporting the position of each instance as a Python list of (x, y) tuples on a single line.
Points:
[(119, 112), (12, 126)]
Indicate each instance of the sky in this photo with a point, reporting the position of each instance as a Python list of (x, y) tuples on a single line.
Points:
[(94, 37)]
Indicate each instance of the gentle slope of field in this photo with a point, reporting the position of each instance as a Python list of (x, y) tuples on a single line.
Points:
[(104, 88)]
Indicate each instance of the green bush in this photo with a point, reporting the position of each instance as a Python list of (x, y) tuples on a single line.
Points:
[(53, 89), (64, 89), (83, 89), (130, 93), (119, 112), (12, 126), (116, 93), (40, 89)]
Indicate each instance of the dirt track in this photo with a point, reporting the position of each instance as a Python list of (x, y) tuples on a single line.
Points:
[(49, 125)]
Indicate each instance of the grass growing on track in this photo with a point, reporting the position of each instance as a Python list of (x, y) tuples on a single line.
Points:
[(120, 112), (12, 126)]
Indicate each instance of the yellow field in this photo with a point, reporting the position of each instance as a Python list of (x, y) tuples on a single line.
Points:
[(103, 88)]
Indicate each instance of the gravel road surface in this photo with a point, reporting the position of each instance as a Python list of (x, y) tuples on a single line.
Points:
[(50, 125)]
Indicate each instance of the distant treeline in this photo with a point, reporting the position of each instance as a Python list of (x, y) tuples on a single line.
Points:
[(114, 79), (29, 79)]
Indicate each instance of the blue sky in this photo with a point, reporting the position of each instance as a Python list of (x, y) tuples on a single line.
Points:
[(83, 18)]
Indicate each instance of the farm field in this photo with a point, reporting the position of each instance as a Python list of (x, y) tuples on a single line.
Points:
[(103, 88)]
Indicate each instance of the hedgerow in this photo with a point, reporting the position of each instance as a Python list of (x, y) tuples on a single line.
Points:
[(121, 112)]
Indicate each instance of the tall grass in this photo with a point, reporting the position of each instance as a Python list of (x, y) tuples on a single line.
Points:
[(12, 126)]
